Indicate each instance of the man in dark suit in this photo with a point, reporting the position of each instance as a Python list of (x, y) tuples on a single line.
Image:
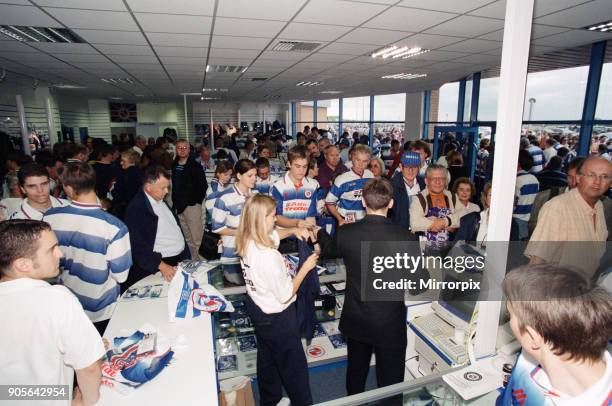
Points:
[(377, 327), (155, 236)]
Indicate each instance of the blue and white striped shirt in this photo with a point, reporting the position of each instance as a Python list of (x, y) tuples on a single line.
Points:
[(226, 213), (538, 158), (265, 186), (346, 193), (214, 190), (527, 187), (296, 201), (97, 255)]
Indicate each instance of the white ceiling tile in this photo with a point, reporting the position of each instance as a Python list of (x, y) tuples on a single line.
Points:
[(480, 59), (177, 51), (272, 63), (70, 58), (458, 7), (539, 30), (180, 60), (169, 23), (472, 46), (139, 67), (467, 26), (233, 53), (177, 40), (125, 49), (541, 49), (247, 28), (116, 5), (543, 7), (224, 41), (310, 32), (230, 61), (497, 35), (94, 65), (93, 19), (278, 10), (21, 2), (580, 16), (438, 56), (285, 56), (63, 48), (120, 59), (112, 37), (187, 7), (493, 10), (24, 15), (428, 41), (373, 36), (408, 19), (348, 49), (329, 57), (572, 38), (336, 11), (7, 47)]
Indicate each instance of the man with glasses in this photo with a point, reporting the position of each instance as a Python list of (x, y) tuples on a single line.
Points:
[(432, 213), (571, 227), (188, 192), (406, 185)]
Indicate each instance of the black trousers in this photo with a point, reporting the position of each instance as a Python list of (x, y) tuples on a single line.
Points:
[(281, 361), (390, 365)]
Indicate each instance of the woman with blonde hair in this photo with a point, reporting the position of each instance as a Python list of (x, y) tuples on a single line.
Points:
[(270, 302)]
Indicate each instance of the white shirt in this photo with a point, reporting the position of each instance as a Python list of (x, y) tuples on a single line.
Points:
[(138, 150), (549, 153), (169, 239), (45, 336), (10, 205), (481, 237), (28, 212), (268, 282), (413, 190)]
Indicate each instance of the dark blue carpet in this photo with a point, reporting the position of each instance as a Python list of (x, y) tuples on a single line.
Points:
[(327, 382)]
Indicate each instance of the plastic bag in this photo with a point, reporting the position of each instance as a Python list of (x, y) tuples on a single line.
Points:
[(189, 293)]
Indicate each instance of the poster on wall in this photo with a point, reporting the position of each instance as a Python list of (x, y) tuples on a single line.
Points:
[(123, 112)]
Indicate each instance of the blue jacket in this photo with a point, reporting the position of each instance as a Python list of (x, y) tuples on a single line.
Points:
[(400, 212), (142, 224)]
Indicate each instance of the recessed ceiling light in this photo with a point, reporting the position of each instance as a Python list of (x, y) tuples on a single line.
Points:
[(395, 51), (116, 81), (207, 89), (331, 92), (67, 86), (601, 27), (40, 34), (405, 76), (308, 83), (226, 68)]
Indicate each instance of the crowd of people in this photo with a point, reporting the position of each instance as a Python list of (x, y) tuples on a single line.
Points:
[(101, 217)]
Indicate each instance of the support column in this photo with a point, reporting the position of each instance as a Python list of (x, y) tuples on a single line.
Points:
[(598, 51), (370, 121), (475, 96), (315, 114), (513, 78), (186, 118), (23, 126), (461, 102), (293, 120), (212, 132), (340, 121), (50, 122), (426, 107)]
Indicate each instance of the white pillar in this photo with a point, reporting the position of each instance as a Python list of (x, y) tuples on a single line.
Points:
[(23, 125), (50, 123), (212, 133), (186, 119), (238, 123), (513, 77), (413, 121)]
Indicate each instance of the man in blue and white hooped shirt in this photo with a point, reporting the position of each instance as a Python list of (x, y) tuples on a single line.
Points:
[(296, 196), (226, 217), (96, 245), (527, 187), (344, 199), (265, 179)]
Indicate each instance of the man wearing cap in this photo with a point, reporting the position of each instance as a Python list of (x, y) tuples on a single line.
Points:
[(406, 184)]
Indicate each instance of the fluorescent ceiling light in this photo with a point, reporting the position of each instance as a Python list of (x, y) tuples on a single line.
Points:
[(308, 83), (207, 68), (331, 92), (410, 55), (405, 76), (67, 86), (395, 51), (602, 27), (116, 81), (26, 33), (383, 51)]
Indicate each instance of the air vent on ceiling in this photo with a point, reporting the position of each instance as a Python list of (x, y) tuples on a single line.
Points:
[(40, 34), (117, 81), (295, 46), (226, 68)]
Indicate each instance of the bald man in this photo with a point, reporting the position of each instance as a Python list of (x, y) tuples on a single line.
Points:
[(571, 227)]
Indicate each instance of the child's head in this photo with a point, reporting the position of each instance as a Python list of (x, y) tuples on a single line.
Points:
[(223, 171), (464, 189), (298, 162), (558, 311), (256, 223)]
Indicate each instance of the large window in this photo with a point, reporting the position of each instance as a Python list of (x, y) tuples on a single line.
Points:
[(328, 115), (604, 99), (390, 107), (356, 109), (555, 95), (305, 116), (487, 101), (447, 102)]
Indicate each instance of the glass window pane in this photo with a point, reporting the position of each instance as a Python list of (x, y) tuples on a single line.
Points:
[(392, 131), (304, 115), (328, 110), (390, 107), (356, 108), (447, 104), (358, 128), (487, 101), (604, 99), (556, 94)]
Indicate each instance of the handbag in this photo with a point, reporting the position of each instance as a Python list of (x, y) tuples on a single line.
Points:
[(209, 247)]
